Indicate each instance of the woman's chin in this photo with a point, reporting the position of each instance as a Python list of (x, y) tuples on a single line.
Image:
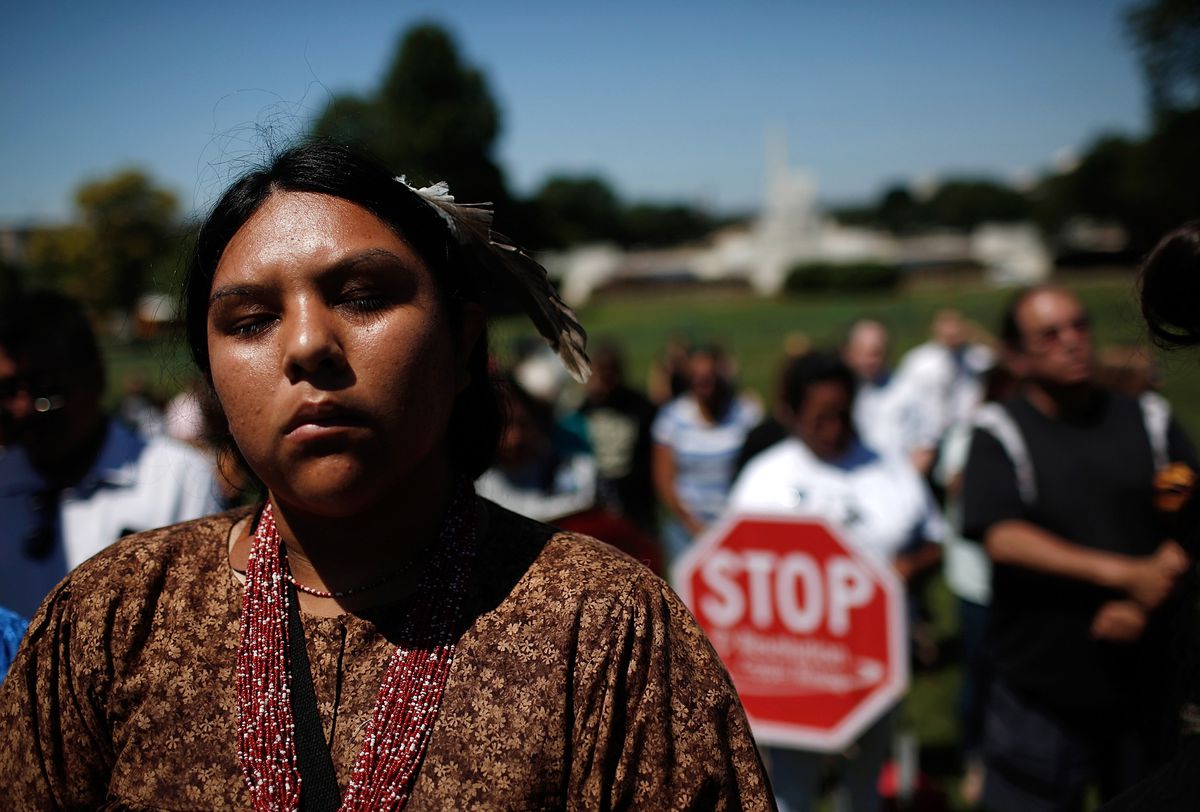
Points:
[(329, 491), (327, 502), (345, 494)]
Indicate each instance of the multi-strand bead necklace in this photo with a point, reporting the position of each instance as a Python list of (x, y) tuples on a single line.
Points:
[(409, 697)]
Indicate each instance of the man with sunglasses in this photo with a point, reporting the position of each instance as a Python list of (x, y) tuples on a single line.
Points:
[(73, 481), (1059, 485)]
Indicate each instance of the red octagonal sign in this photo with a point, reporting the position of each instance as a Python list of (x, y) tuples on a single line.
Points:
[(812, 630)]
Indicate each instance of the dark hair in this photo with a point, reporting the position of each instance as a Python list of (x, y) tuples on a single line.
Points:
[(813, 368), (340, 172), (1010, 331), (51, 333), (710, 350), (1169, 288)]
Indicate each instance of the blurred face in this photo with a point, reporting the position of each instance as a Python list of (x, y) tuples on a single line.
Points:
[(823, 420), (949, 329), (606, 375), (704, 373), (1056, 339), (332, 355), (48, 411), (866, 350)]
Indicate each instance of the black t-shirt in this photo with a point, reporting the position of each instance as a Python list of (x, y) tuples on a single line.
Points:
[(619, 430), (1094, 487)]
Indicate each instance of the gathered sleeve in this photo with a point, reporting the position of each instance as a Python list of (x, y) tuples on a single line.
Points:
[(658, 724), (55, 750)]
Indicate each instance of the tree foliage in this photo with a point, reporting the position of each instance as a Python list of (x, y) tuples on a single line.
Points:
[(572, 210), (432, 117), (958, 203), (1166, 34), (126, 231), (578, 210), (1148, 185)]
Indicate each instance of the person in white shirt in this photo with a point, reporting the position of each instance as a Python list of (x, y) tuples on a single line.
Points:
[(866, 353), (73, 481), (877, 502), (937, 384)]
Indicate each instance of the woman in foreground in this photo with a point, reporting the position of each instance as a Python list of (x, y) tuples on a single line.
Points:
[(373, 635), (1169, 293)]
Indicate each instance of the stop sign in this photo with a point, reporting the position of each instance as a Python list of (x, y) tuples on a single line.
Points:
[(812, 630)]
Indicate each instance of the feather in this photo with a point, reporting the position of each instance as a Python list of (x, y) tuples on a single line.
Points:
[(499, 257)]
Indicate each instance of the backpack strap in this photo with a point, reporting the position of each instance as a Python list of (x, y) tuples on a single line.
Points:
[(996, 421), (1156, 415)]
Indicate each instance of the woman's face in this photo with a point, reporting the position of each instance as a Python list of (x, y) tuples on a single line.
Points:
[(332, 355), (823, 420)]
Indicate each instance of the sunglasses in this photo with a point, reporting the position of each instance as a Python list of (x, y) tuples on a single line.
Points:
[(11, 388), (1054, 334)]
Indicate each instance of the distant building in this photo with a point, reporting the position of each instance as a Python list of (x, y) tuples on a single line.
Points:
[(790, 230)]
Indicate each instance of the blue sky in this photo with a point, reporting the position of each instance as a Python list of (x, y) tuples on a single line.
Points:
[(665, 100)]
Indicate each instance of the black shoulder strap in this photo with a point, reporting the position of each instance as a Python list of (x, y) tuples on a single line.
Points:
[(319, 789)]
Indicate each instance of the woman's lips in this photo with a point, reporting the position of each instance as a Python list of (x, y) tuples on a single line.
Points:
[(317, 419)]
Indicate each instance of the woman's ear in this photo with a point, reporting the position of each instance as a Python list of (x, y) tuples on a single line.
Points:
[(471, 327)]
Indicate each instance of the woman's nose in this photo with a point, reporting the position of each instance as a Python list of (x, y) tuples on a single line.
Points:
[(313, 344)]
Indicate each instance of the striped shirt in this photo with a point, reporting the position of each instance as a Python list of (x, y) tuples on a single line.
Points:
[(704, 452)]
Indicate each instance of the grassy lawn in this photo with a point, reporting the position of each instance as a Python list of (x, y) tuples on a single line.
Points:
[(755, 330)]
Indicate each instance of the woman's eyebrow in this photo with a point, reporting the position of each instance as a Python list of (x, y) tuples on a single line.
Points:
[(342, 266), (226, 291), (366, 256)]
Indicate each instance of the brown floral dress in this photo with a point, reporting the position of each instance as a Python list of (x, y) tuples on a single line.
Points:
[(580, 682)]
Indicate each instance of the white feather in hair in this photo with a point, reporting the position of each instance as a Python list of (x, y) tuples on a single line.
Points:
[(471, 225)]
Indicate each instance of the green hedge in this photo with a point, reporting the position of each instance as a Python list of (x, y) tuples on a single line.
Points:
[(854, 277)]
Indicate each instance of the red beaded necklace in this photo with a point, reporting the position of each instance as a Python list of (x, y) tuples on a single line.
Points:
[(409, 696)]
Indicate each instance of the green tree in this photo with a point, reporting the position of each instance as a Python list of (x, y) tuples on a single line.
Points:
[(1166, 182), (966, 202), (1149, 185), (61, 258), (662, 224), (126, 233), (899, 211), (960, 203), (433, 118), (1166, 34), (133, 229), (578, 210)]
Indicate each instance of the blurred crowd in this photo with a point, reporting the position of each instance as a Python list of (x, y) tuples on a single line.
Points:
[(971, 452), (886, 449)]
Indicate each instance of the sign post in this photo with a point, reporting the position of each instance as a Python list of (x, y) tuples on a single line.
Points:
[(812, 630)]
